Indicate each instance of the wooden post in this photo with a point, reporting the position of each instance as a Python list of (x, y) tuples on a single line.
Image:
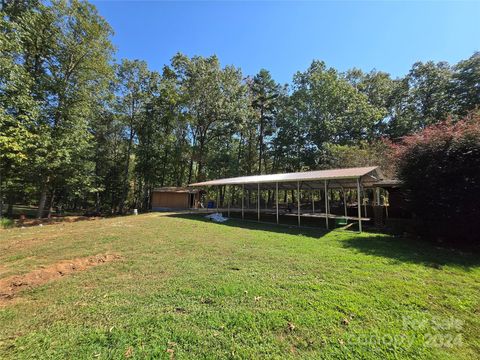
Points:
[(276, 200), (243, 199), (345, 202), (359, 206), (258, 201), (298, 202), (218, 196), (326, 203)]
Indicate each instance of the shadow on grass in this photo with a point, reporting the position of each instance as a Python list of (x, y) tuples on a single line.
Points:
[(412, 251), (264, 226), (382, 245)]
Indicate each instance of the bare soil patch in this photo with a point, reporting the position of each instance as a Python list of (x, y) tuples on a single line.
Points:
[(11, 286)]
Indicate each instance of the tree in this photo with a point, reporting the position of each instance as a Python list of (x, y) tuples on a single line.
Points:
[(77, 70), (422, 98), (334, 111), (380, 90), (377, 153), (66, 52), (265, 92), (133, 89), (466, 85), (293, 148), (18, 109), (214, 102)]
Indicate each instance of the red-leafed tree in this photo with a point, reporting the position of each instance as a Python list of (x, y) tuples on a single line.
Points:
[(440, 169)]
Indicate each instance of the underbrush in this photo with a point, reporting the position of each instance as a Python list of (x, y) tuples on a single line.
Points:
[(6, 223)]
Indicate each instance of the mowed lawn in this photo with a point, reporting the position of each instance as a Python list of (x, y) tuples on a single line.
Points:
[(187, 288)]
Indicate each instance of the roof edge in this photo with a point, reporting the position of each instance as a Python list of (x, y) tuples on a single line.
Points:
[(295, 176)]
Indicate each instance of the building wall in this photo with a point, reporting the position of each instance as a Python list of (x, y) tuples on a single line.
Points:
[(172, 200)]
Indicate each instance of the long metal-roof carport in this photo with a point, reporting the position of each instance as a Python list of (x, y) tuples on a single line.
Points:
[(340, 179)]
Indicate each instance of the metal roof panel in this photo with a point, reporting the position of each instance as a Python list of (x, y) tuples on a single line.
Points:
[(331, 174)]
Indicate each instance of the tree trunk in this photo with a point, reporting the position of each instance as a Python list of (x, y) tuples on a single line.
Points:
[(10, 210), (1, 196), (239, 155), (11, 201), (43, 200), (190, 168), (164, 167), (260, 152), (200, 160), (50, 208), (97, 202), (127, 171)]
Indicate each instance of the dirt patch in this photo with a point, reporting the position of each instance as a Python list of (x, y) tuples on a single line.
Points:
[(10, 287)]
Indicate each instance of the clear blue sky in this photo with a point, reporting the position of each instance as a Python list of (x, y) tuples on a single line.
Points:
[(285, 37)]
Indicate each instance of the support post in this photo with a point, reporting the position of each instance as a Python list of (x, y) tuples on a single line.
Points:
[(218, 196), (276, 200), (228, 202), (328, 199), (298, 202), (258, 201), (364, 204), (326, 203), (243, 200), (359, 206), (345, 202), (313, 202)]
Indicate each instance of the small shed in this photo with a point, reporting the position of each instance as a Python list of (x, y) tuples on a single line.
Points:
[(167, 198)]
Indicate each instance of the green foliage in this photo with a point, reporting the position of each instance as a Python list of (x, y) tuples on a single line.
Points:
[(333, 110), (265, 93), (466, 85), (445, 193), (62, 62), (18, 108), (215, 100), (423, 97), (79, 130), (378, 153), (6, 223)]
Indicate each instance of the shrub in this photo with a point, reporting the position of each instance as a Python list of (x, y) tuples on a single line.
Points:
[(440, 169), (6, 223)]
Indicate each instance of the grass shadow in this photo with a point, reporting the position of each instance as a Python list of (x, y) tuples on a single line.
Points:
[(412, 251), (400, 249), (263, 226)]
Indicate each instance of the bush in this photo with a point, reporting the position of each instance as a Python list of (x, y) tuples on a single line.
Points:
[(6, 223), (440, 169)]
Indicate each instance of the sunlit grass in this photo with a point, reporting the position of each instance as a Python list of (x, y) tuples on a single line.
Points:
[(188, 288)]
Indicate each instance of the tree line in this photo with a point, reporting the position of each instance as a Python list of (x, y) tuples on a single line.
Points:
[(81, 130)]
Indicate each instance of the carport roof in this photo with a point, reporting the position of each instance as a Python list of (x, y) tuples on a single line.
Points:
[(341, 178)]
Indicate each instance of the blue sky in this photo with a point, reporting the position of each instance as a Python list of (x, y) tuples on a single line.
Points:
[(285, 37)]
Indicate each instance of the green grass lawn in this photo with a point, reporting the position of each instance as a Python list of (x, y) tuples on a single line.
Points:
[(188, 288)]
